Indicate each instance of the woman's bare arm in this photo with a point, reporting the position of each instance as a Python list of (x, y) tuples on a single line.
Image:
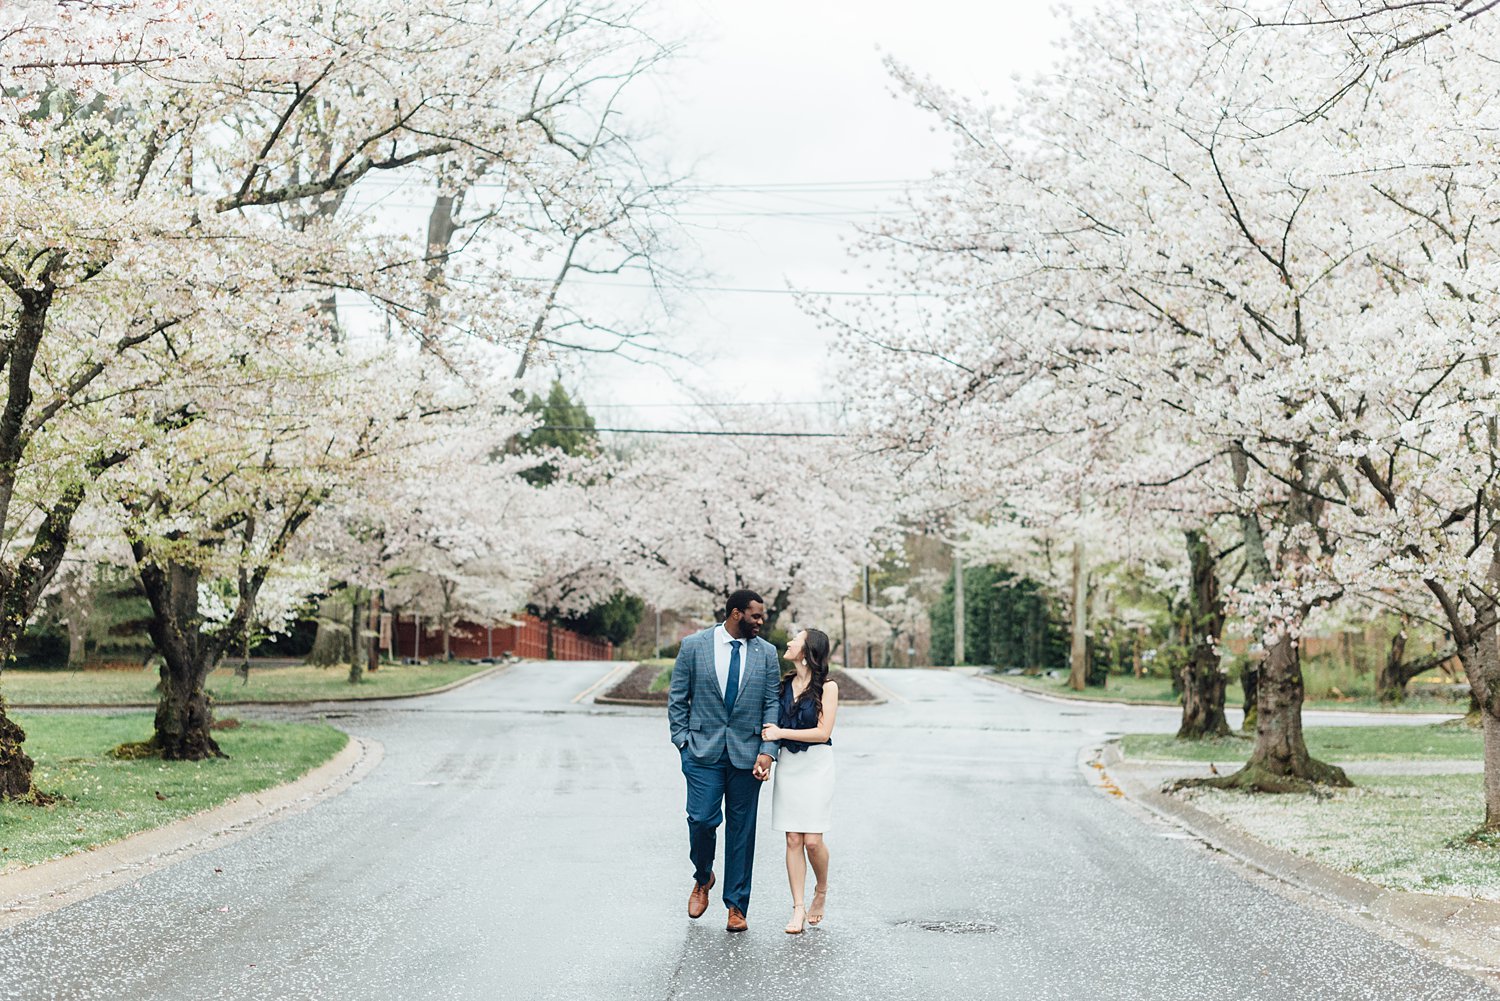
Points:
[(819, 733)]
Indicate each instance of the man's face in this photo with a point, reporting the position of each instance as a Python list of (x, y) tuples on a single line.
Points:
[(751, 620)]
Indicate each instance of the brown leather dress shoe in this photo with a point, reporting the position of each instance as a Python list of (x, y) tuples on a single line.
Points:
[(698, 899), (737, 920)]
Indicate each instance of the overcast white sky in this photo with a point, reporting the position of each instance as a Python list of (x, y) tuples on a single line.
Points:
[(775, 94)]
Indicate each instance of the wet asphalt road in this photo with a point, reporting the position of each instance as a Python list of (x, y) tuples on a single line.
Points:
[(515, 845)]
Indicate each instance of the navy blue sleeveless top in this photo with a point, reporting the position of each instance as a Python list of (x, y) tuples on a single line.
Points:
[(804, 716)]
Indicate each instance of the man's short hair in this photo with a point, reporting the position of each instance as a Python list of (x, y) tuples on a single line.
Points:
[(740, 601)]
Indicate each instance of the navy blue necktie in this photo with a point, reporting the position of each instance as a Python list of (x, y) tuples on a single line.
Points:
[(732, 687)]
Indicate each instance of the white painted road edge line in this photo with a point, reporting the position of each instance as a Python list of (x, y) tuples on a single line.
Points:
[(609, 676), (48, 886), (865, 678)]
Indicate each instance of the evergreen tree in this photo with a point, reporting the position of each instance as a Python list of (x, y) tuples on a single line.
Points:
[(566, 426), (615, 620)]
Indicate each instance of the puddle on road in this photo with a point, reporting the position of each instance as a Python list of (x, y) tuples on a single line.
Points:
[(952, 927)]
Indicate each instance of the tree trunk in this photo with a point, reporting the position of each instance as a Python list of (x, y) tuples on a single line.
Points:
[(1203, 678), (22, 581), (15, 765), (1390, 685), (1279, 761), (1250, 686), (960, 655), (1483, 668), (184, 714), (776, 608), (1491, 769), (356, 660), (1396, 672), (78, 644), (331, 642), (1078, 672), (77, 602), (374, 647)]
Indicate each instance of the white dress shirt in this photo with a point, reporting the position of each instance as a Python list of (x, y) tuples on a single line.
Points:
[(722, 650)]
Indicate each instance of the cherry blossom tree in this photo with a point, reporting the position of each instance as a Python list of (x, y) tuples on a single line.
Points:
[(1170, 221), (687, 521), (175, 174)]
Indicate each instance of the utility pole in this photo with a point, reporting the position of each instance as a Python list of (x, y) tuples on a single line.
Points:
[(844, 633), (868, 662), (658, 632), (958, 608), (1078, 666), (373, 663)]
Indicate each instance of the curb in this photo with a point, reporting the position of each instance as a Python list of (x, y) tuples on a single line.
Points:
[(1141, 703), (48, 886), (882, 693), (468, 679), (1463, 928), (606, 700), (1065, 700)]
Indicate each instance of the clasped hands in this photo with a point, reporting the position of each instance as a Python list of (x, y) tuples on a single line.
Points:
[(762, 768)]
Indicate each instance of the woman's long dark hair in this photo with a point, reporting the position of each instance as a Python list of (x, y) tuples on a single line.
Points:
[(815, 652)]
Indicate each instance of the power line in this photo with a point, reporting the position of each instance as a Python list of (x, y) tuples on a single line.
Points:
[(669, 287), (701, 434), (891, 184), (730, 213), (770, 403), (674, 287)]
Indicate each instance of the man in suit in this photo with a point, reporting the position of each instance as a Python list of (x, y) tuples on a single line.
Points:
[(725, 688)]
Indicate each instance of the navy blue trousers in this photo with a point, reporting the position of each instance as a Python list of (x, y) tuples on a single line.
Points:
[(715, 791)]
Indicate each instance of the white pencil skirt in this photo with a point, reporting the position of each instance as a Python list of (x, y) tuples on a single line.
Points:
[(802, 791)]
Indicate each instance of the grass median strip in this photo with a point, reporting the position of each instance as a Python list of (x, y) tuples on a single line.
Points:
[(1405, 832), (275, 684), (1328, 743), (103, 799), (1158, 691)]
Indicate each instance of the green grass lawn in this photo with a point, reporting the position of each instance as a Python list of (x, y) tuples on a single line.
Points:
[(1405, 832), (103, 800), (1159, 691), (280, 684), (1328, 743), (1120, 687)]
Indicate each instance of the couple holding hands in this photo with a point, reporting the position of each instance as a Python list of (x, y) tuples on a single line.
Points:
[(732, 715)]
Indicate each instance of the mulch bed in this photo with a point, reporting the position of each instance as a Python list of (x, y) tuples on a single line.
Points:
[(635, 687)]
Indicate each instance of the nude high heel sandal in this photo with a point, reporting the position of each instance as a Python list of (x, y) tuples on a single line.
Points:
[(798, 924), (820, 901)]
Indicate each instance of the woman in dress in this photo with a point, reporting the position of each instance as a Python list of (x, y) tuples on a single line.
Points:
[(802, 795)]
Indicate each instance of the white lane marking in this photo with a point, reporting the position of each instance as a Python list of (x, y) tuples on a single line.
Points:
[(609, 676)]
